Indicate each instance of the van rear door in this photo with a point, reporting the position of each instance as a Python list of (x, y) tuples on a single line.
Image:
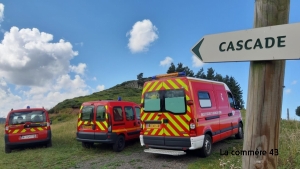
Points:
[(101, 122), (27, 125), (166, 114), (86, 122)]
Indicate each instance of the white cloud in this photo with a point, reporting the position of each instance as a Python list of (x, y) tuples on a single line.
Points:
[(294, 82), (28, 53), (166, 62), (142, 34), (287, 91), (1, 12), (196, 61), (94, 78), (100, 87), (78, 69)]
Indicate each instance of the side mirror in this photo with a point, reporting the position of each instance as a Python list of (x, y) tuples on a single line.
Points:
[(238, 105)]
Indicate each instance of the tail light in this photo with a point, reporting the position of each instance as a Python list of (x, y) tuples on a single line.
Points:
[(48, 125), (6, 129), (192, 125), (109, 126)]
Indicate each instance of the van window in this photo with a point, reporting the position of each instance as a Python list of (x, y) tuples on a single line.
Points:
[(118, 114), (152, 101), (175, 101), (27, 116), (231, 100), (100, 114), (204, 99), (129, 113), (87, 113), (138, 113)]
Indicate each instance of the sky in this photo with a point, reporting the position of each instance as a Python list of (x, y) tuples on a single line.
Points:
[(56, 50)]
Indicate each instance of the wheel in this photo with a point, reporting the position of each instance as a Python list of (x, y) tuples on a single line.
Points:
[(7, 149), (119, 144), (87, 144), (49, 143), (240, 133), (206, 150)]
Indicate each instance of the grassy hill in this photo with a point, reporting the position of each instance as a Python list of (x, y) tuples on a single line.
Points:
[(2, 120), (125, 90)]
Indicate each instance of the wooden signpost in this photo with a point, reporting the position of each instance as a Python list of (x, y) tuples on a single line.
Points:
[(278, 41)]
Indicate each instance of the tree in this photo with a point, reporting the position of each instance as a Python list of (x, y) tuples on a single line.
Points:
[(298, 111), (140, 80), (172, 68), (210, 74)]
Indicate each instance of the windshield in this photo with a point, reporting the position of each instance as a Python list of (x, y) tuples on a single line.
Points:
[(28, 116), (87, 113), (172, 101)]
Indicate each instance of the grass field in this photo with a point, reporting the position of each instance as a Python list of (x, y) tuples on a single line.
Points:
[(66, 152)]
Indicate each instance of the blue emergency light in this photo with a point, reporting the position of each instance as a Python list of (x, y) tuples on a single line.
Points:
[(177, 74), (28, 107), (119, 98)]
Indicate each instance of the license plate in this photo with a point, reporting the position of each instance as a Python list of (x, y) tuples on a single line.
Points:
[(28, 136), (87, 127), (153, 125)]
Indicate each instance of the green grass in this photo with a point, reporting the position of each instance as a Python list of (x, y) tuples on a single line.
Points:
[(67, 152)]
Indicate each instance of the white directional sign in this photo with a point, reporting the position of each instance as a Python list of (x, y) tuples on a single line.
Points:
[(280, 42)]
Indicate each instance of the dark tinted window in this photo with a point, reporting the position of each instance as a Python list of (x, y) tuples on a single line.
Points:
[(27, 116), (118, 114), (129, 113), (100, 114)]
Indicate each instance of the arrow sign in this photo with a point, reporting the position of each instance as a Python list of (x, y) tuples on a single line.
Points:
[(280, 42)]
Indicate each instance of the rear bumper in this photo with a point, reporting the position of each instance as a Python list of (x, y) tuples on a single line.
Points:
[(172, 143), (34, 142), (96, 137)]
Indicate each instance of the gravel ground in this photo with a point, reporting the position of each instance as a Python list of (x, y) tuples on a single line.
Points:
[(137, 159)]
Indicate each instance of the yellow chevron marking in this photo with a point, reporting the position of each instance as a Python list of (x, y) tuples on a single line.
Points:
[(105, 124), (146, 133), (40, 128), (16, 131), (156, 118), (79, 115), (153, 132), (161, 132), (23, 131), (143, 116), (189, 109), (32, 129), (9, 131), (185, 134), (182, 84), (173, 84), (79, 123), (81, 107), (86, 122), (167, 133), (145, 89), (152, 86), (184, 123), (173, 122), (149, 117), (99, 125), (187, 117), (166, 86), (92, 122), (172, 130), (187, 97), (159, 86)]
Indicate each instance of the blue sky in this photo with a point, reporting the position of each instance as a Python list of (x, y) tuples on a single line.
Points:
[(54, 50)]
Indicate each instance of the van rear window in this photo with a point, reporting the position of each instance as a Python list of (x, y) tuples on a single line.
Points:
[(87, 113), (27, 116), (172, 101)]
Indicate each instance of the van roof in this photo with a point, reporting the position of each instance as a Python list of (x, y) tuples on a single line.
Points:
[(212, 81), (108, 101)]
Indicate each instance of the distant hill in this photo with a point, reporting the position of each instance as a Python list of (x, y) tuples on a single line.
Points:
[(128, 91), (2, 120)]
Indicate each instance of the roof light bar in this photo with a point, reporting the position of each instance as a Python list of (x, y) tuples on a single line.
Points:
[(176, 74)]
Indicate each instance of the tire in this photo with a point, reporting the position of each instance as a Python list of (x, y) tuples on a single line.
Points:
[(206, 150), (87, 144), (49, 144), (7, 149), (240, 133), (119, 144)]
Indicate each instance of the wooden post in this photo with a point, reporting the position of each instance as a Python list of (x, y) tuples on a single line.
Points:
[(264, 102), (288, 114)]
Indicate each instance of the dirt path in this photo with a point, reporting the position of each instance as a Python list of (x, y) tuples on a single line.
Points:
[(137, 159)]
